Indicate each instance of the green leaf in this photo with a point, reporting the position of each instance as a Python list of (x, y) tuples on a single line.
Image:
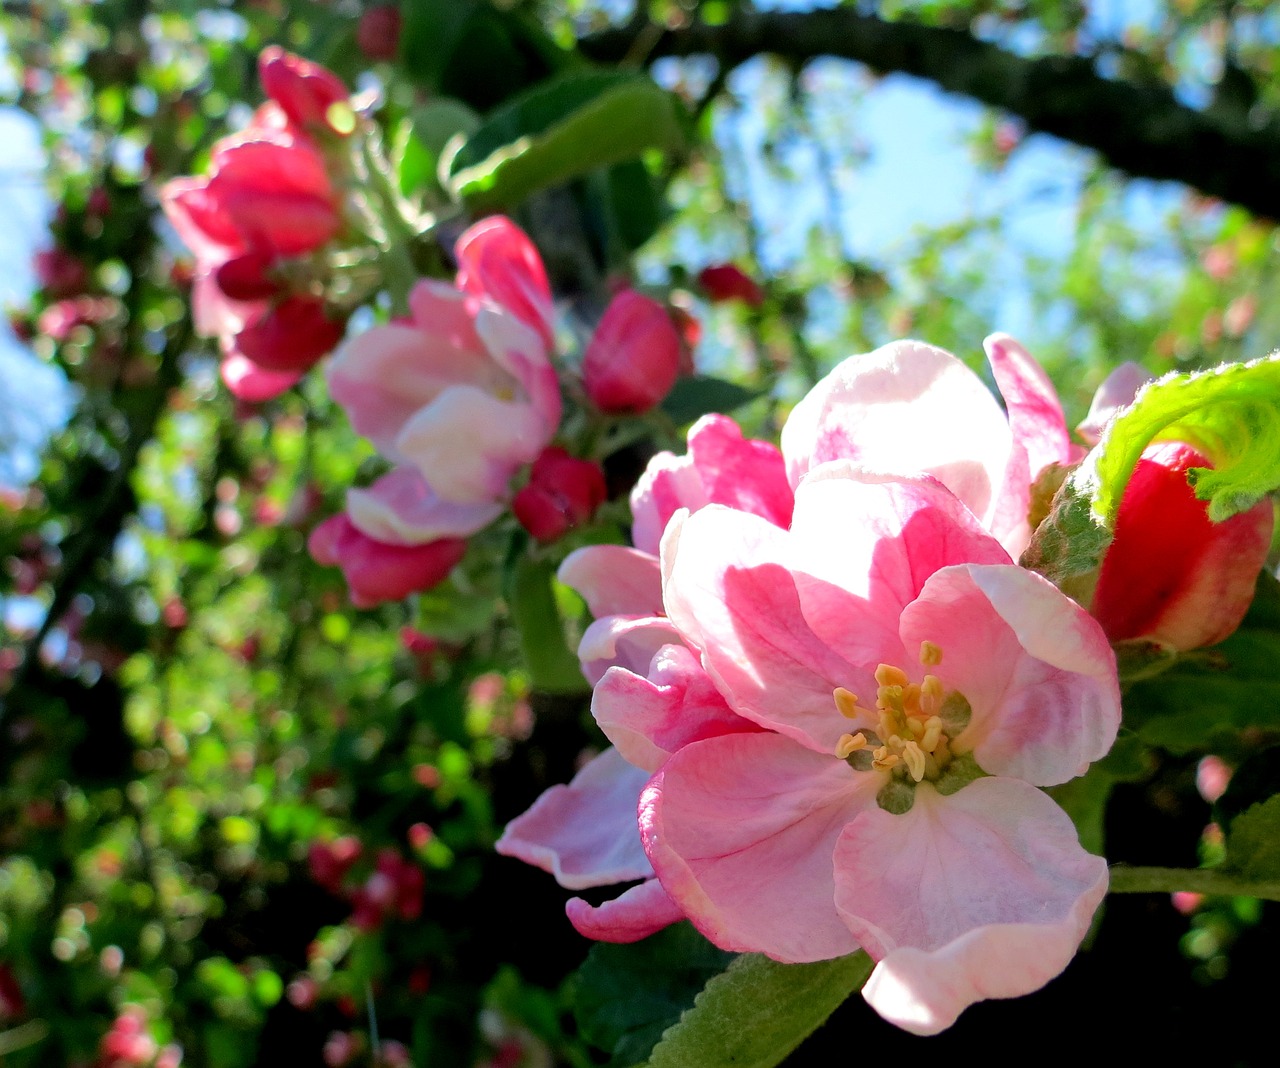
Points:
[(564, 128), (1068, 547), (420, 139), (697, 395), (431, 32), (1230, 413), (1085, 797), (1209, 696), (626, 996), (758, 1011), (1253, 841)]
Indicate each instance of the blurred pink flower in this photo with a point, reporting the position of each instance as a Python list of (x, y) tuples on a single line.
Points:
[(268, 198), (305, 91)]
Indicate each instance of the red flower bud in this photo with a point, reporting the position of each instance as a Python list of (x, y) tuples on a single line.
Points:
[(634, 355), (378, 32), (60, 273), (726, 281), (245, 277), (304, 90), (1172, 574), (563, 492), (291, 336)]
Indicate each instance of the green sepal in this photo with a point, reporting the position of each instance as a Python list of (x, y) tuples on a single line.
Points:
[(758, 1011)]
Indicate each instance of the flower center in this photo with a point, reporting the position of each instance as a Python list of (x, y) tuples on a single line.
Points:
[(915, 723)]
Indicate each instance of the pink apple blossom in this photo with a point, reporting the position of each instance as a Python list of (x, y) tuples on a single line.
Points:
[(909, 822), (464, 390)]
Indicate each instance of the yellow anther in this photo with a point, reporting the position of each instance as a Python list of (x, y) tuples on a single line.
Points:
[(846, 702), (911, 698), (850, 743), (915, 760), (883, 760), (888, 675), (932, 734), (915, 725), (930, 654)]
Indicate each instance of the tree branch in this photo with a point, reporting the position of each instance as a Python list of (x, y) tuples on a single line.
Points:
[(1138, 128)]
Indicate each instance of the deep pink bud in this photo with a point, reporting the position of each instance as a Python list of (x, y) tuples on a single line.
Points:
[(1172, 574), (376, 571), (304, 90), (634, 355), (378, 32), (497, 260), (727, 281), (246, 277), (290, 336), (563, 492), (60, 273), (330, 861)]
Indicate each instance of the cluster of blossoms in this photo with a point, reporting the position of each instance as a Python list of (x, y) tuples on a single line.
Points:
[(463, 398), (834, 697), (260, 223), (393, 888)]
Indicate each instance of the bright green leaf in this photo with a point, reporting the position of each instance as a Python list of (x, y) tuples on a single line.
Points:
[(564, 128), (1230, 413)]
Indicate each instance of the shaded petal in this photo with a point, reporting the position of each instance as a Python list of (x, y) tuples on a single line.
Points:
[(722, 467), (637, 913), (1117, 391), (468, 444), (385, 375), (614, 580), (985, 893), (521, 353), (1036, 669), (585, 833), (1035, 413), (906, 407), (740, 830), (623, 641), (400, 508), (649, 718)]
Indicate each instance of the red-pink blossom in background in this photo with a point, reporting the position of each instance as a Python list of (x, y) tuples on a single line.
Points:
[(378, 31), (268, 198), (633, 357), (907, 819), (498, 262), (727, 281), (464, 391), (305, 91), (60, 273), (563, 492)]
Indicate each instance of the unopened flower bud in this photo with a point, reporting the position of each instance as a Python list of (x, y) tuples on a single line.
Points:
[(563, 492), (304, 90), (727, 281), (378, 31), (634, 355), (290, 336), (245, 277), (1171, 574)]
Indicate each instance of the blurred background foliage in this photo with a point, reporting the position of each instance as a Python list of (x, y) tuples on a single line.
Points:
[(244, 823)]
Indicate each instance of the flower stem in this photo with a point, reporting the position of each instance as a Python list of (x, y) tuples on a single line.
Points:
[(1127, 880)]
